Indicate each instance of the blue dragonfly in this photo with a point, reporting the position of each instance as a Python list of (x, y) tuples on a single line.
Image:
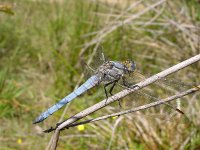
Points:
[(109, 73)]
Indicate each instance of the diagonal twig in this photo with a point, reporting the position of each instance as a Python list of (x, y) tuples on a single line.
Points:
[(146, 106)]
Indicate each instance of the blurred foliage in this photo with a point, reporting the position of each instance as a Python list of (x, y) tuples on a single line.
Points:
[(40, 49), (9, 93)]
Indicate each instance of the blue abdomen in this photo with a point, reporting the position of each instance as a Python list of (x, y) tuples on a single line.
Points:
[(91, 82)]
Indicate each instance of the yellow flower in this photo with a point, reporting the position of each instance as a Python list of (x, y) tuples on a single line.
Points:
[(114, 117), (19, 141), (81, 127)]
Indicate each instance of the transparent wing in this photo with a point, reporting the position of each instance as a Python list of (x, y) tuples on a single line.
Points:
[(168, 83), (132, 78), (95, 59), (86, 69), (154, 92), (98, 57)]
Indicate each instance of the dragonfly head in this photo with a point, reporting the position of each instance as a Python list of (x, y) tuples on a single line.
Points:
[(130, 65)]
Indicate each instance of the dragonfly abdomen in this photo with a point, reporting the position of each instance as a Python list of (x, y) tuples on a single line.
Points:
[(91, 82)]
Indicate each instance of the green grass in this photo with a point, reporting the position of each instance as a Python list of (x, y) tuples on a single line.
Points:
[(40, 63)]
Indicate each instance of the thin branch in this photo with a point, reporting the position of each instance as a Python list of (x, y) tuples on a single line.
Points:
[(124, 93), (153, 104), (55, 139)]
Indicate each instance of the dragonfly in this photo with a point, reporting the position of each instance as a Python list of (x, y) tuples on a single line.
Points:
[(108, 73)]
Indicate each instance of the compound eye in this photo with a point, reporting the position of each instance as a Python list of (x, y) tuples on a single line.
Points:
[(132, 68)]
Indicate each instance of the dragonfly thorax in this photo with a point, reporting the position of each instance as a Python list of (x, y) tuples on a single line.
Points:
[(114, 70)]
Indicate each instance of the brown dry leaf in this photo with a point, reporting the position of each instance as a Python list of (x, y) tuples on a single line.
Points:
[(7, 8)]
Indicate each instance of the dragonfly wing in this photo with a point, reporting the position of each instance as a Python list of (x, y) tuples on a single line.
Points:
[(169, 83), (132, 78), (88, 71), (96, 59), (158, 88), (91, 82)]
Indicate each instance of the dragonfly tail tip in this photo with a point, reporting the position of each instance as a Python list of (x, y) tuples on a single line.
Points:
[(36, 121), (39, 119)]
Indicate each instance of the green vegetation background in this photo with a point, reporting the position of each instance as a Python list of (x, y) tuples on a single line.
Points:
[(40, 63)]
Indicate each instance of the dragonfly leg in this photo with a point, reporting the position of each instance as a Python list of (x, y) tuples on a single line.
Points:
[(134, 86), (111, 89), (105, 91), (127, 85), (124, 82)]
